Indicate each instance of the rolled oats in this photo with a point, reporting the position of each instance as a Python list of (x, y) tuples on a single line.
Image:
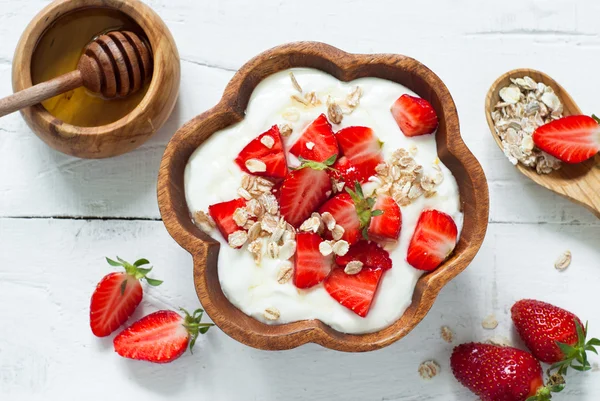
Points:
[(254, 231), (353, 267), (285, 273), (271, 313), (244, 193), (334, 113), (256, 166), (292, 115), (563, 261), (489, 323), (447, 334), (428, 370), (269, 223), (340, 248), (237, 238), (310, 145), (285, 130), (312, 224), (525, 106), (204, 221), (268, 141), (295, 83), (255, 248), (325, 248), (241, 216), (338, 232), (287, 250), (273, 250), (328, 220), (353, 99)]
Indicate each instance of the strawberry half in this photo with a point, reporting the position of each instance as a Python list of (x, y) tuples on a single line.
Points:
[(311, 267), (317, 142), (356, 291), (414, 115), (386, 227), (222, 214), (369, 253), (362, 148), (264, 155), (353, 212), (304, 190), (572, 139), (433, 241), (117, 296), (497, 373), (553, 335), (161, 336)]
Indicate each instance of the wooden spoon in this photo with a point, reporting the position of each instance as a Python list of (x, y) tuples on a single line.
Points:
[(116, 64), (578, 182)]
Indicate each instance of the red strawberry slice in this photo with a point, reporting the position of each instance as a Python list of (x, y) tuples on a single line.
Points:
[(344, 171), (117, 296), (433, 241), (301, 193), (572, 139), (497, 373), (367, 252), (343, 210), (386, 226), (268, 149), (414, 115), (311, 267), (317, 142), (222, 214), (362, 148), (160, 337), (356, 292)]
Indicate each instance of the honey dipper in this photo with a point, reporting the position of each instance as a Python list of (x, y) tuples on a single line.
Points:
[(116, 64)]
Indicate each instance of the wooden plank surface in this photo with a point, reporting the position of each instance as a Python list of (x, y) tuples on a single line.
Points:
[(48, 267)]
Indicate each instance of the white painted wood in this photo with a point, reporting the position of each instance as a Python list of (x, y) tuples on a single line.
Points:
[(48, 268)]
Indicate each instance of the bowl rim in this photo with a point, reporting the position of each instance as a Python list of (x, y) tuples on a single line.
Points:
[(139, 12), (204, 249)]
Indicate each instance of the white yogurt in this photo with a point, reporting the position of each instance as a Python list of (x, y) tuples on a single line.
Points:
[(211, 176)]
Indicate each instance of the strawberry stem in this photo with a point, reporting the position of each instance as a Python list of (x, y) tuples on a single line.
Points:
[(193, 326), (326, 165), (363, 208), (555, 384), (576, 355), (134, 270)]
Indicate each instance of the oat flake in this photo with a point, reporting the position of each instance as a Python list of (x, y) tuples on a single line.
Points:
[(429, 369), (563, 261), (489, 323), (271, 313), (353, 267), (447, 334)]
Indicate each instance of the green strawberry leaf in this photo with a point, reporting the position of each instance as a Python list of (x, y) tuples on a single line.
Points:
[(141, 262), (112, 262), (153, 282)]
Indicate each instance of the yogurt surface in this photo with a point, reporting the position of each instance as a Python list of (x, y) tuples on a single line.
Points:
[(211, 176)]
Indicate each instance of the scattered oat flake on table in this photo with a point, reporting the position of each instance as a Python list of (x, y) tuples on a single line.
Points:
[(563, 261), (489, 323), (428, 370), (447, 334)]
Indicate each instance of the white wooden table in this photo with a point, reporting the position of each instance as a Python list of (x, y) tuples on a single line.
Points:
[(59, 216)]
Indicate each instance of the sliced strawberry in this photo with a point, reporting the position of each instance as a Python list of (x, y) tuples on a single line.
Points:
[(362, 148), (302, 192), (386, 226), (117, 296), (222, 214), (433, 241), (572, 139), (414, 115), (367, 252), (343, 210), (161, 336), (356, 291), (317, 142), (267, 149), (311, 267), (344, 171)]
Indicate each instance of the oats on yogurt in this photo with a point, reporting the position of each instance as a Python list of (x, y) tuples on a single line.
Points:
[(525, 105)]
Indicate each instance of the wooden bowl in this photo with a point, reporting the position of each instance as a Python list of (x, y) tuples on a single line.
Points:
[(126, 133), (346, 67)]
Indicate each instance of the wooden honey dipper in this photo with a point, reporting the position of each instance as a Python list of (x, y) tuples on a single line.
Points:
[(116, 64)]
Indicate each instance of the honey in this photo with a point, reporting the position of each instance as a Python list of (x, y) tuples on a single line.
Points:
[(58, 52)]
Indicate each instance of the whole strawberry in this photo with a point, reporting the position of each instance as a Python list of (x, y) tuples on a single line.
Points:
[(161, 336), (497, 373), (117, 296), (553, 335)]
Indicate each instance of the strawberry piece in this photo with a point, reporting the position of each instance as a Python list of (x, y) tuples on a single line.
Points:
[(543, 327), (497, 373), (343, 210), (433, 241), (357, 291), (302, 192), (344, 171), (414, 115), (317, 142), (369, 253), (222, 214), (311, 267), (572, 139), (273, 157), (386, 226), (117, 296), (362, 148), (160, 337)]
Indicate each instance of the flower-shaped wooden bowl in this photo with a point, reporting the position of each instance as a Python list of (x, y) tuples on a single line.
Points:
[(205, 250)]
